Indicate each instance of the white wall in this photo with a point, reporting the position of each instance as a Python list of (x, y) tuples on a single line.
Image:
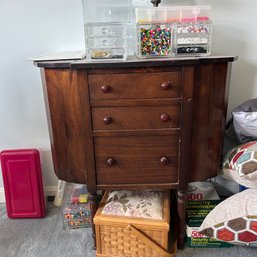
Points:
[(234, 32), (29, 28)]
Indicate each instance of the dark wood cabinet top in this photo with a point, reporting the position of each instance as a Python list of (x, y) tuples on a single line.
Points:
[(134, 62)]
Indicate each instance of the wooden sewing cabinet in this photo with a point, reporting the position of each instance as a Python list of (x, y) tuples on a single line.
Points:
[(137, 124)]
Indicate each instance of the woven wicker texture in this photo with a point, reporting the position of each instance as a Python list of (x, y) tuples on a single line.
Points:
[(117, 241), (130, 236)]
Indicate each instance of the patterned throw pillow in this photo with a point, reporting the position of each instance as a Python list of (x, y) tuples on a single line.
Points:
[(240, 164), (135, 203), (234, 220)]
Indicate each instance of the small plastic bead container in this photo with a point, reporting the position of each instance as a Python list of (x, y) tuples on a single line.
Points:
[(76, 208), (192, 38), (192, 31), (154, 40), (154, 32)]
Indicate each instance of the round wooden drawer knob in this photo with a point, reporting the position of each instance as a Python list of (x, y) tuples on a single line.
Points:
[(166, 85), (164, 160), (110, 161), (165, 117), (106, 89), (107, 120)]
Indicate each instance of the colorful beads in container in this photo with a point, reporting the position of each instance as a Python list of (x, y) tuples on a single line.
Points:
[(76, 209), (154, 40), (79, 223), (76, 215)]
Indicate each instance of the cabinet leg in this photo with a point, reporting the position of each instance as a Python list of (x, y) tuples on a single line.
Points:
[(181, 200), (93, 200)]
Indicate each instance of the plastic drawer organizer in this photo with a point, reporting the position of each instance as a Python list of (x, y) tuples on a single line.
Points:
[(173, 31), (76, 209), (107, 29)]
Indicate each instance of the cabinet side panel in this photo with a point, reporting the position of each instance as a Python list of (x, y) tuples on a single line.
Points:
[(186, 126), (86, 120), (209, 113), (62, 100)]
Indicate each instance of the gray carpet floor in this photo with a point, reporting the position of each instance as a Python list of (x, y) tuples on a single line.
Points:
[(47, 238)]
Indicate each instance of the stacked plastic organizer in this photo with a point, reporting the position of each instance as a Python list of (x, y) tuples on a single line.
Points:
[(76, 209), (174, 31), (107, 28)]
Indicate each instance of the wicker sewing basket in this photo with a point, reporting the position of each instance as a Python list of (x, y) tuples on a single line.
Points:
[(132, 237)]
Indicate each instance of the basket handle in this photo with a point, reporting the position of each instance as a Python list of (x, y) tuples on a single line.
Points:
[(150, 242)]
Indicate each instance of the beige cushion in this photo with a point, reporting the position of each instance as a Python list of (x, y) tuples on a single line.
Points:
[(135, 203), (234, 220), (240, 164)]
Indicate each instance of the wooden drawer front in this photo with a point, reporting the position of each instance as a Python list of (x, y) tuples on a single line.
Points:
[(136, 160), (141, 117), (135, 85)]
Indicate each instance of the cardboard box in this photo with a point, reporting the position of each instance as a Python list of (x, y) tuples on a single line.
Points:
[(202, 198)]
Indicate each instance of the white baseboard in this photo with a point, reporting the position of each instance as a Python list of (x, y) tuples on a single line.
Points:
[(49, 191), (2, 197)]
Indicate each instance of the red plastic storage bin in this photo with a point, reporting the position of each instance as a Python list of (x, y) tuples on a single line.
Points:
[(22, 177)]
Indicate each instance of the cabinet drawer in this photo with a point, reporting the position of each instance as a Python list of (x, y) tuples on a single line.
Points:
[(136, 159), (135, 85), (141, 117)]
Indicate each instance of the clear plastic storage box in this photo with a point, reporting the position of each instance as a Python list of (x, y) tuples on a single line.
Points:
[(192, 31), (107, 11), (192, 38), (76, 208), (154, 39), (98, 29), (154, 32), (105, 42), (107, 28), (176, 30)]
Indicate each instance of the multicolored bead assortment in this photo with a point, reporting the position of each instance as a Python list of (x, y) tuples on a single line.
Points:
[(155, 41), (79, 223), (76, 211)]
